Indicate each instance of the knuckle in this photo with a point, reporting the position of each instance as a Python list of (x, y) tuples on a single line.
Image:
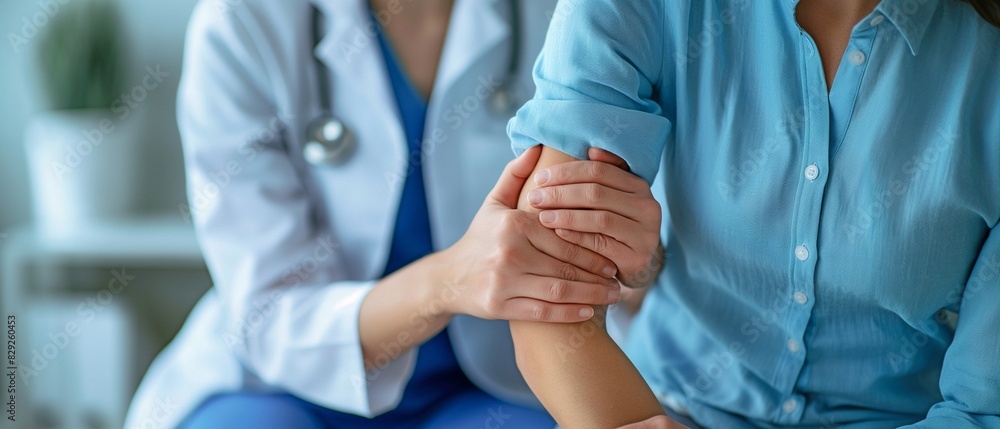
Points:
[(569, 251), (559, 291), (494, 308), (504, 257), (597, 169), (508, 220), (650, 207), (568, 272), (554, 195), (538, 312), (565, 217), (596, 263), (600, 243), (594, 193), (559, 174), (604, 221)]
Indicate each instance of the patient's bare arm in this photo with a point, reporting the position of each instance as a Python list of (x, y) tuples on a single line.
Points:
[(576, 370)]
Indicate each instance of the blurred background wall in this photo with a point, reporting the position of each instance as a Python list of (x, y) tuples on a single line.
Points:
[(155, 35), (87, 380)]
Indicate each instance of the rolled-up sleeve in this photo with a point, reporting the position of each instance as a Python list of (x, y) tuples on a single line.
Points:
[(291, 312), (970, 377), (596, 81)]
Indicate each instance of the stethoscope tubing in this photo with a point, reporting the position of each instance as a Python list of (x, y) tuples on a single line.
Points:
[(329, 140)]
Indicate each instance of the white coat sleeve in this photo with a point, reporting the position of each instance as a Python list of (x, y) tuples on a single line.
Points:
[(292, 319)]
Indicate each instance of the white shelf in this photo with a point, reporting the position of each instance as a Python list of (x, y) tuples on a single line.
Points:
[(149, 242), (152, 241)]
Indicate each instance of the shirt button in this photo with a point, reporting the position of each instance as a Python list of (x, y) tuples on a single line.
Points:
[(793, 346), (857, 58), (801, 298), (877, 20), (812, 172), (789, 406), (801, 253)]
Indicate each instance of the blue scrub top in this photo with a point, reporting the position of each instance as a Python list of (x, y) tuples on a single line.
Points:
[(437, 374)]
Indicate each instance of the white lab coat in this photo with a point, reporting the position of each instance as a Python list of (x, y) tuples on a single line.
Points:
[(294, 249)]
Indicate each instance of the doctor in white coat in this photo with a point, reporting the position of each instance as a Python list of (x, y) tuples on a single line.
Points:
[(324, 311)]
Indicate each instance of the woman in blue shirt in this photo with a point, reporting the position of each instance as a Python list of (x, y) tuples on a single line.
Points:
[(830, 172)]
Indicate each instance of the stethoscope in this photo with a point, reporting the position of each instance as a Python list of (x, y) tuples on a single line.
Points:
[(329, 141)]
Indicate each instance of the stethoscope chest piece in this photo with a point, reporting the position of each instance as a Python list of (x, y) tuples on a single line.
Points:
[(328, 142)]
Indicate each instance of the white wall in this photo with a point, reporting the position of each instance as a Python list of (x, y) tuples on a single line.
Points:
[(154, 32)]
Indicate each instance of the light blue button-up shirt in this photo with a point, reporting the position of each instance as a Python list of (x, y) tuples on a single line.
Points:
[(822, 247)]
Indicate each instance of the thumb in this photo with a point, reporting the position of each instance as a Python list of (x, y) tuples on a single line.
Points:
[(508, 188)]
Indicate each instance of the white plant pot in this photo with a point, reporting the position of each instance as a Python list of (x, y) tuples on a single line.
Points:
[(81, 165)]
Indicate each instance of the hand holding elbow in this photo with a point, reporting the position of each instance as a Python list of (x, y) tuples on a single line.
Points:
[(508, 266), (601, 206)]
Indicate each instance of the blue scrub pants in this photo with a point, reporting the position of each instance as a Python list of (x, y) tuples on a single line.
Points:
[(471, 409)]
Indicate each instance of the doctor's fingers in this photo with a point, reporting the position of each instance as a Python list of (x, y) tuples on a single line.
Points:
[(565, 259), (592, 172), (640, 208), (559, 291), (600, 243), (533, 310), (627, 231)]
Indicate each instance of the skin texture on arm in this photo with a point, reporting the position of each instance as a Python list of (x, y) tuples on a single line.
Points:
[(577, 371)]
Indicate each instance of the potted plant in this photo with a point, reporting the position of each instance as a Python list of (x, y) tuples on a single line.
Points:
[(80, 150)]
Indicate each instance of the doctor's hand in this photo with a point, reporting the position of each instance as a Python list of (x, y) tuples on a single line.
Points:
[(600, 205), (510, 267)]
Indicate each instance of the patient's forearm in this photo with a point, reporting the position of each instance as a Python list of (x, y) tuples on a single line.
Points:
[(576, 370)]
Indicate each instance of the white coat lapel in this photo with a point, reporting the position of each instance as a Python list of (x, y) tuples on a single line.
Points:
[(364, 192), (350, 50), (477, 26)]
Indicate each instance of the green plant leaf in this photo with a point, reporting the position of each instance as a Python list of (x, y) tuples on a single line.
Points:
[(79, 56)]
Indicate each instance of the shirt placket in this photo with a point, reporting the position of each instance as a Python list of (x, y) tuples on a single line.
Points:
[(826, 123)]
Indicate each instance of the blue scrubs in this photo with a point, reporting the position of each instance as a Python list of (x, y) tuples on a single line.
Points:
[(438, 395)]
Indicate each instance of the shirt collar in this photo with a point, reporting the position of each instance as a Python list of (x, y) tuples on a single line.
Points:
[(910, 17)]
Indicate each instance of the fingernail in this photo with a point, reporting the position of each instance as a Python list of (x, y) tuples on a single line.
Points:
[(613, 283), (609, 271), (614, 296), (542, 177), (547, 217), (587, 312), (535, 197), (564, 233)]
